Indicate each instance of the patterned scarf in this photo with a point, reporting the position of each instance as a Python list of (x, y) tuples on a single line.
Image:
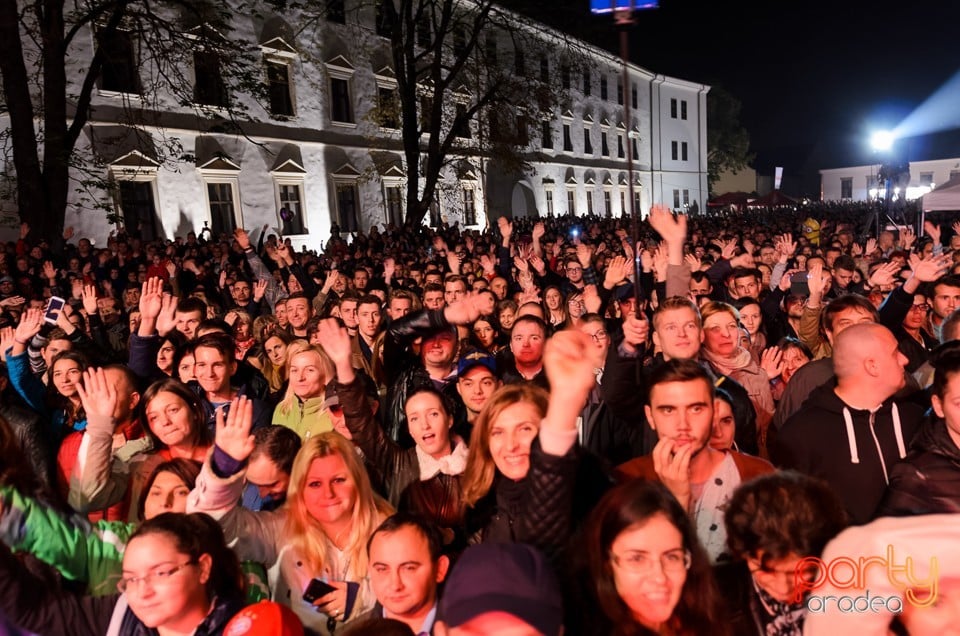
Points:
[(778, 618)]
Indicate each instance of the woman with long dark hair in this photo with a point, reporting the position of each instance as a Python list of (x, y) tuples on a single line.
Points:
[(648, 572)]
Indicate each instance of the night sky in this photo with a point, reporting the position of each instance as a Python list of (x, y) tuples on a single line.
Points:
[(814, 77)]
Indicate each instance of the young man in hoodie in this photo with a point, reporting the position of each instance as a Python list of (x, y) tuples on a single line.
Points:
[(851, 434)]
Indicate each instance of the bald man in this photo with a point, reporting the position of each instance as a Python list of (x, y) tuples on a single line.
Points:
[(852, 433)]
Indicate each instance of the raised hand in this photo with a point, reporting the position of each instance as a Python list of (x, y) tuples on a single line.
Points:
[(151, 299), (166, 320), (12, 301), (336, 341), (89, 297), (171, 268), (694, 262), (932, 230), (486, 262), (584, 255), (728, 249), (242, 238), (618, 269), (856, 250), (591, 299), (635, 331), (521, 264), (931, 269), (771, 361), (49, 271), (672, 466), (97, 394), (468, 309), (871, 246), (786, 245), (567, 362), (233, 429), (646, 260), (815, 280), (506, 229), (6, 341), (538, 265), (907, 238), (389, 268), (884, 275), (672, 229), (539, 229), (31, 320), (453, 262), (259, 289)]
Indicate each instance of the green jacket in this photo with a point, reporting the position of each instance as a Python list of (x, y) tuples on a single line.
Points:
[(80, 550), (307, 417)]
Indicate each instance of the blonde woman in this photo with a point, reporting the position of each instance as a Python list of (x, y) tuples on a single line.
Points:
[(301, 409), (320, 533)]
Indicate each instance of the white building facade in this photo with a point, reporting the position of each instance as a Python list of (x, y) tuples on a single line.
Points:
[(315, 157), (860, 183)]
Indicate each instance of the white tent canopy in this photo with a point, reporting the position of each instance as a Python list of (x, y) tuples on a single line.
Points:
[(944, 197)]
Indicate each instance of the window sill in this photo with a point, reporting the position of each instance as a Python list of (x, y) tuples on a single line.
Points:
[(343, 124), (120, 94)]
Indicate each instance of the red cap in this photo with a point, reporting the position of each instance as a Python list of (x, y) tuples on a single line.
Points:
[(265, 618)]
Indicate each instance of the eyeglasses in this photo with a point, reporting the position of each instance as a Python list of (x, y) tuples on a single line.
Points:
[(920, 307), (574, 269), (599, 336), (159, 578), (672, 562)]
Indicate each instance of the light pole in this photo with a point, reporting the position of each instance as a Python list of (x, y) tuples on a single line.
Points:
[(623, 17), (882, 142)]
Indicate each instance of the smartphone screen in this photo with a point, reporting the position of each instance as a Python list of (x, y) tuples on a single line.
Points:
[(53, 309), (317, 589), (799, 285)]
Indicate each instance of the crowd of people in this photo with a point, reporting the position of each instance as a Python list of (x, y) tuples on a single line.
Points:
[(550, 426)]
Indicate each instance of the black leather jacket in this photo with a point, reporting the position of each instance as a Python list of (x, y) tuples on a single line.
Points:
[(927, 480)]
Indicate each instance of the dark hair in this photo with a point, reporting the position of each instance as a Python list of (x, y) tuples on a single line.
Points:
[(279, 444), (187, 348), (222, 342), (181, 390), (186, 470), (842, 303), (425, 528), (949, 325), (58, 401), (419, 388), (635, 502), (350, 294), (677, 370), (215, 325), (846, 263), (744, 272), (369, 299), (432, 287), (780, 514), (192, 304), (788, 342), (536, 320), (197, 534)]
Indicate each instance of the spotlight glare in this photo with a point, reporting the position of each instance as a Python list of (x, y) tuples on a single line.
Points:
[(882, 140)]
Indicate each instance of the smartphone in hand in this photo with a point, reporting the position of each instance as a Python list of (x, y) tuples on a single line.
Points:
[(54, 308), (317, 589)]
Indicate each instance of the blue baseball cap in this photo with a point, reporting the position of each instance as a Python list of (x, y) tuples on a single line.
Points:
[(475, 357)]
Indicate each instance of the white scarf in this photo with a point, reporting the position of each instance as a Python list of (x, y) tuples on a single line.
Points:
[(453, 464)]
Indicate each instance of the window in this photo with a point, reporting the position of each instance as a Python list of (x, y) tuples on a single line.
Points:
[(388, 107), (544, 70), (426, 112), (208, 87), (424, 31), (290, 196), (926, 178), (633, 96), (565, 76), (676, 199), (222, 208), (546, 135), (604, 147), (341, 110), (571, 201), (586, 83), (347, 203), (383, 26), (519, 63), (686, 198), (567, 141), (491, 49), (549, 194), (590, 203), (459, 41), (278, 80), (523, 133), (674, 154), (461, 124), (436, 213), (954, 174), (620, 92), (138, 209), (683, 151), (587, 145), (623, 202), (673, 109), (636, 201), (607, 204), (336, 11), (846, 188), (603, 88), (469, 206), (636, 151), (620, 152), (119, 70), (393, 199), (683, 109)]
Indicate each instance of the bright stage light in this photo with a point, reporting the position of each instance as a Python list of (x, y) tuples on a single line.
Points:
[(882, 140)]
